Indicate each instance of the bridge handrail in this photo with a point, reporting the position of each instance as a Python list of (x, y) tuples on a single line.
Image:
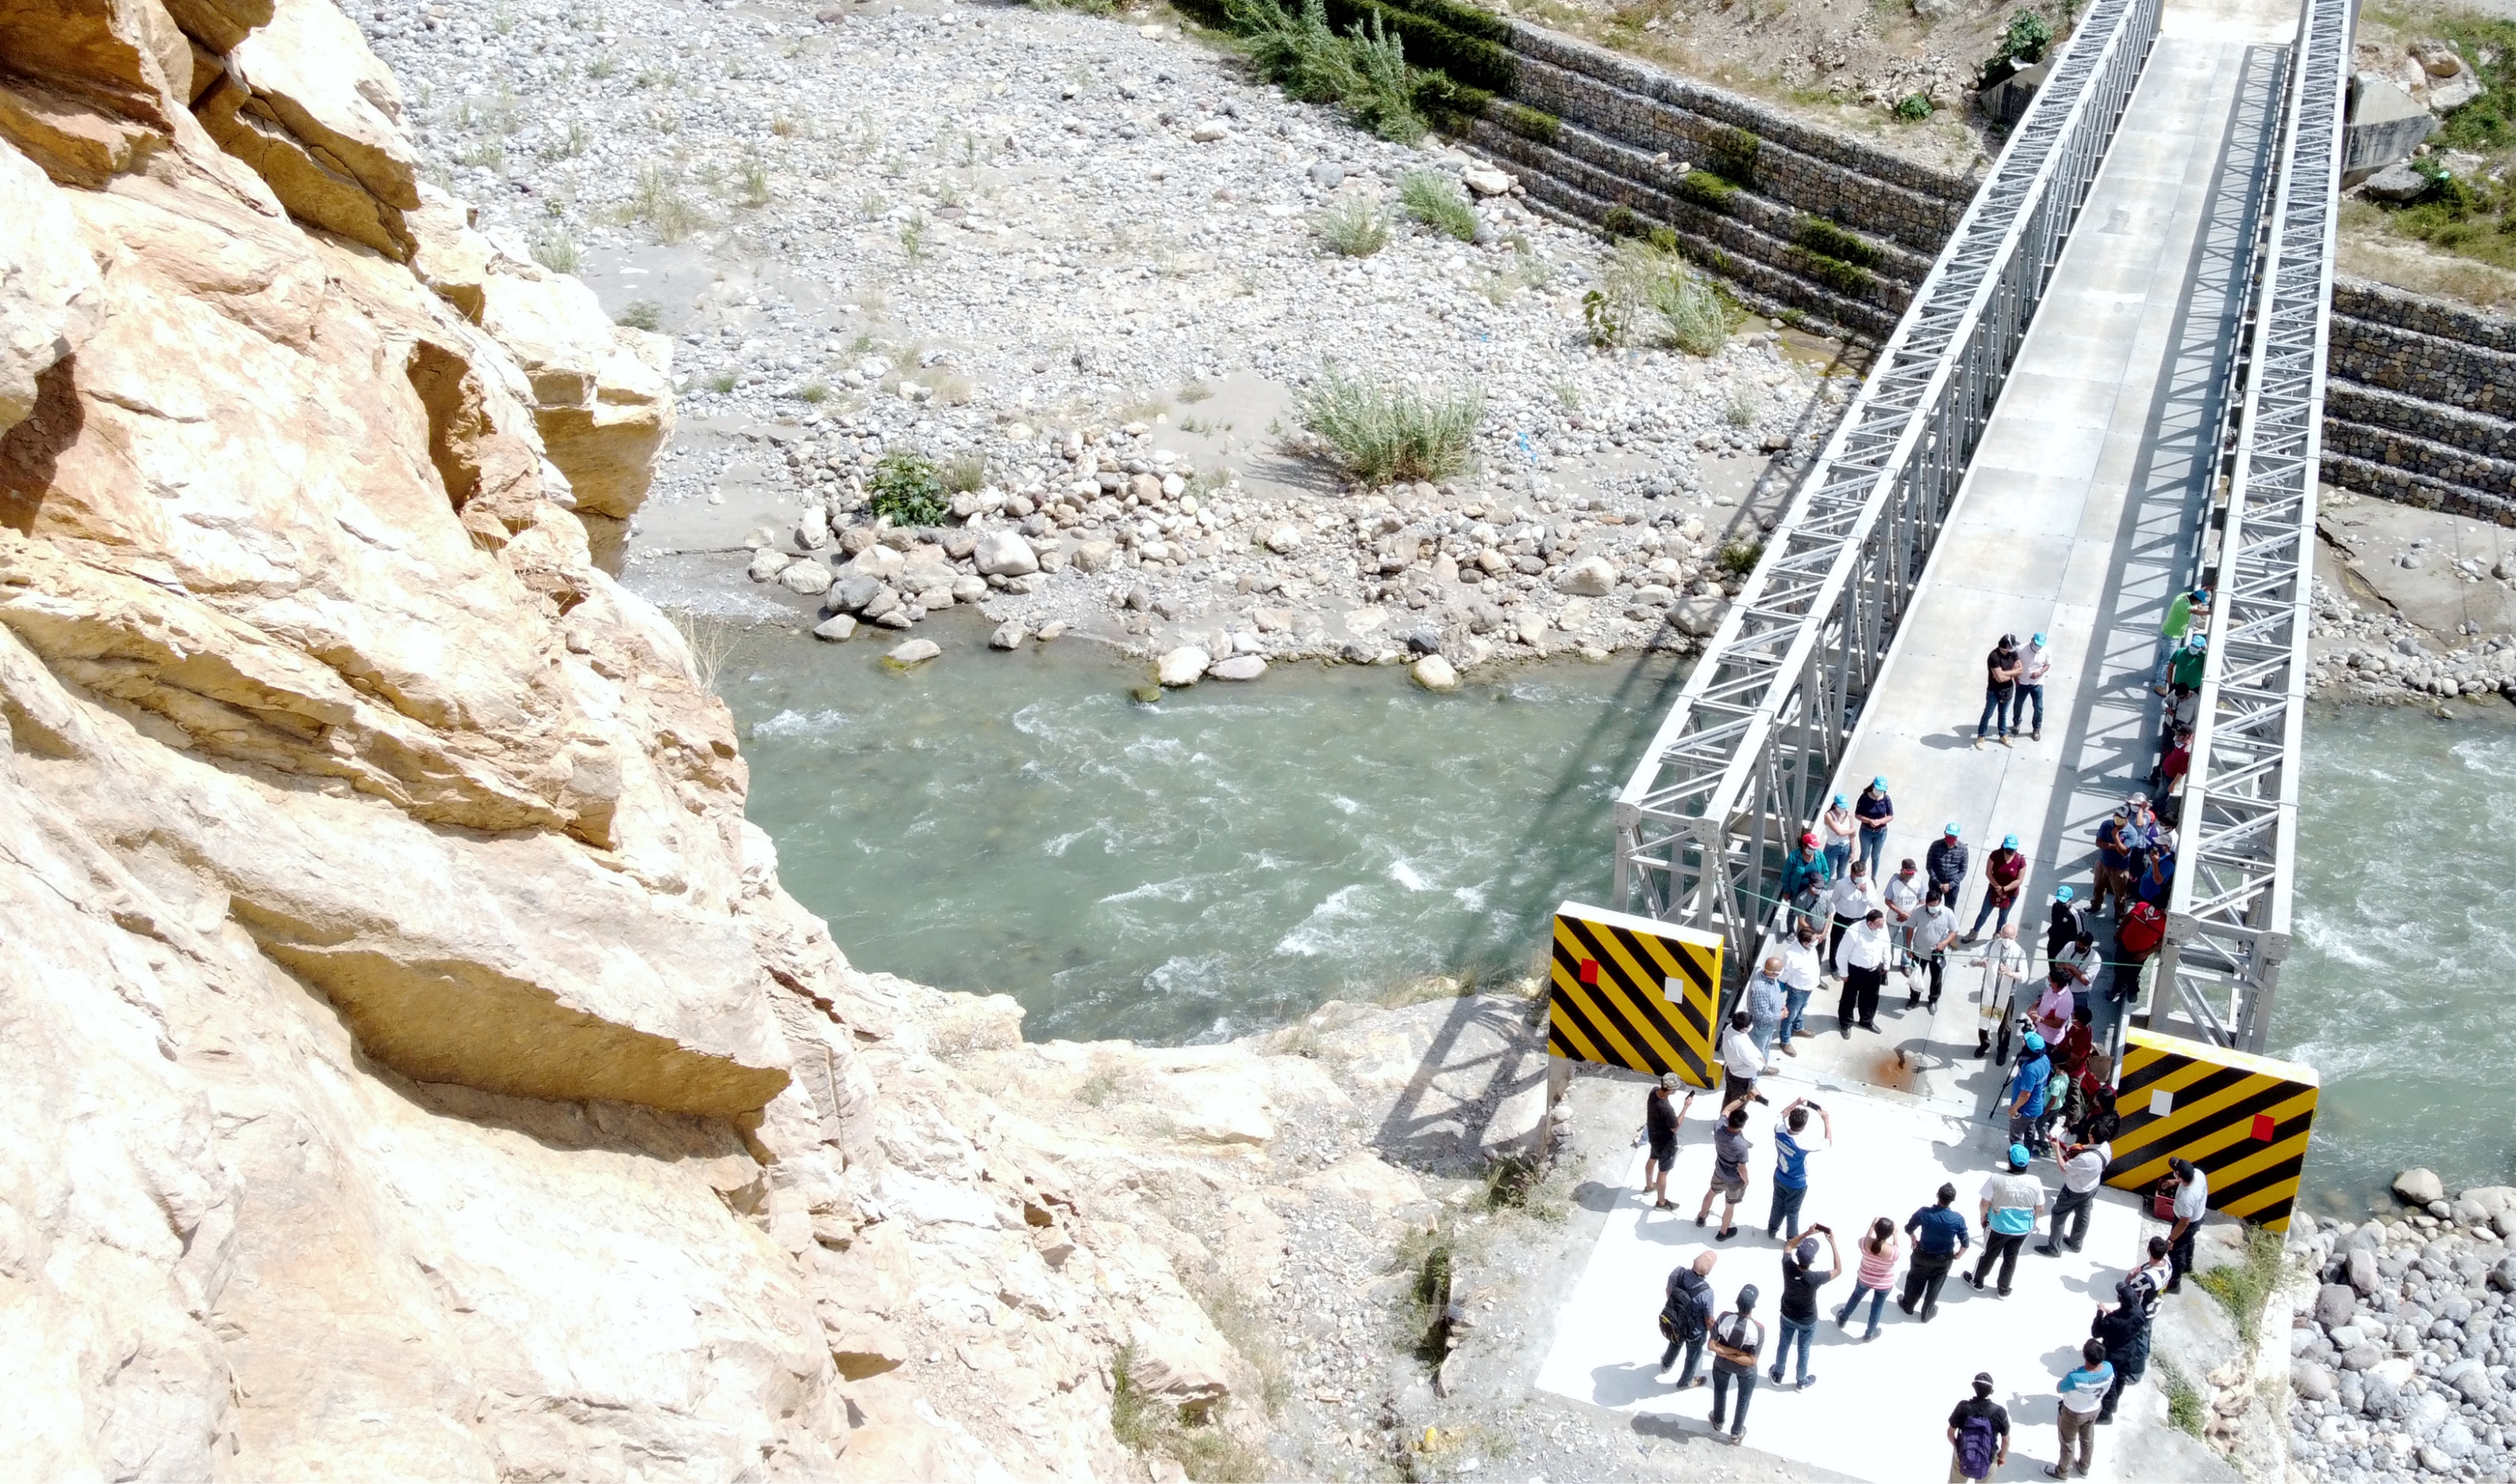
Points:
[(1761, 723), (2228, 914)]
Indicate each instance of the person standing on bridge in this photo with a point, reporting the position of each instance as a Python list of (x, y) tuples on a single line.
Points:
[(2000, 672), (1837, 827), (1863, 957), (1661, 1120), (1767, 1007), (1804, 877), (2082, 1392), (1850, 900), (2034, 662), (1801, 973), (1741, 1062), (2180, 615), (2084, 1169), (2115, 859), (1944, 863), (1790, 1166), (1940, 1239), (2013, 1203), (2123, 1330), (1737, 1337), (1686, 1318), (1876, 811), (1729, 1151), (2004, 968), (2183, 669), (2004, 874), (1934, 932), (1977, 1434), (2192, 1203), (1903, 892), (2063, 922)]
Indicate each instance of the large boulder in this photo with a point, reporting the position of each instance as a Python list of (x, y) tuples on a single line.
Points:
[(1005, 554), (1590, 577), (50, 300), (2418, 1186), (1182, 666)]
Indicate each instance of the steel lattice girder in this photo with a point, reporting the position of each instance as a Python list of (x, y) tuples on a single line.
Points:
[(1762, 722), (2228, 919)]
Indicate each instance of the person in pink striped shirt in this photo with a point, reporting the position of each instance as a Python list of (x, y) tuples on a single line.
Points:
[(1877, 1271)]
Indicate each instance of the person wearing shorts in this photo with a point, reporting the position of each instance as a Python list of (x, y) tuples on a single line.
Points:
[(1729, 1151)]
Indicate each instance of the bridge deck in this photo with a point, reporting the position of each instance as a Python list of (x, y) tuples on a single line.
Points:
[(2078, 517)]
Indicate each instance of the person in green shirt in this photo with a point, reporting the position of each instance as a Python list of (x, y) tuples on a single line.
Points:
[(2183, 669), (2180, 615)]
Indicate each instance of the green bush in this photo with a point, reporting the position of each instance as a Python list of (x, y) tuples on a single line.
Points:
[(1355, 229), (908, 489), (2243, 1286), (1733, 156), (1913, 108), (1850, 280), (1434, 199), (1382, 434), (1648, 293), (643, 314), (2026, 38), (1364, 71)]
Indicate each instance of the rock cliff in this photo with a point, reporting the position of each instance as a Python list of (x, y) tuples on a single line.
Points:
[(410, 1063)]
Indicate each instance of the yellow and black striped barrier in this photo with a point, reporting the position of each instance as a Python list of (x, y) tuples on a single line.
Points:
[(2244, 1119), (1631, 992)]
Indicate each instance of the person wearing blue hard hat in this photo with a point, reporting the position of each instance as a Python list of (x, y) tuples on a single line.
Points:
[(2064, 922), (2004, 874), (2034, 662), (1874, 811), (1837, 828), (1944, 863), (2029, 1085), (2013, 1203)]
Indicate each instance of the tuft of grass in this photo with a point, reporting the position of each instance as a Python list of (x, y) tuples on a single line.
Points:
[(486, 154), (659, 204), (1913, 108), (558, 252), (755, 182), (2187, 1411), (1383, 432), (913, 239), (963, 473), (643, 314), (815, 393), (567, 144), (2244, 1286), (1436, 200), (908, 489), (1194, 391), (1648, 293), (602, 66), (1354, 229), (713, 641), (1425, 1255), (1200, 1447), (1364, 71), (1743, 409), (1740, 557), (722, 382)]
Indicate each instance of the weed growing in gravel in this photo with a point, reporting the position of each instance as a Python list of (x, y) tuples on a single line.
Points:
[(1364, 70), (721, 383), (907, 488), (1743, 409), (963, 473), (1436, 200), (1913, 108), (2186, 1409), (755, 182), (558, 252), (654, 78), (643, 314), (1355, 229), (1648, 292), (567, 144), (1195, 392), (815, 393), (913, 239), (783, 126), (488, 154), (659, 204), (602, 66), (1740, 557), (1201, 1447), (1383, 432)]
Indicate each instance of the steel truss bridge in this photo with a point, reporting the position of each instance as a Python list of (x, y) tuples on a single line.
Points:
[(1755, 741)]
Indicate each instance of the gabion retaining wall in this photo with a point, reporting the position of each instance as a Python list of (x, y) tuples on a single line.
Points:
[(2421, 402)]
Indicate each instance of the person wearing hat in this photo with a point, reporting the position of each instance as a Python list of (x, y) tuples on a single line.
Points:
[(1804, 874), (2027, 1086), (2034, 662), (1661, 1120), (2004, 874), (2185, 669), (1944, 863), (2123, 1330), (1999, 688), (2013, 1203), (1800, 1282), (2062, 922), (1977, 1434), (1934, 934), (1876, 812), (1837, 828), (2115, 860), (1863, 957), (1738, 1337), (2180, 614)]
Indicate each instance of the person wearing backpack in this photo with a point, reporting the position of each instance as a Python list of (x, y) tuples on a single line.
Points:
[(1977, 1434), (1686, 1318), (1738, 1336), (2123, 1330), (2082, 1392)]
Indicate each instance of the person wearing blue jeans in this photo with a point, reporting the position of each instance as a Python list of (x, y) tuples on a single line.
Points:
[(1877, 1271), (1999, 688), (1790, 1170), (1802, 965), (1876, 812), (1737, 1337), (2033, 664), (1800, 1283), (1686, 1318)]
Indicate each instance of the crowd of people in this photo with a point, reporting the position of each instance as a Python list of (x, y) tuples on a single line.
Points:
[(1851, 923)]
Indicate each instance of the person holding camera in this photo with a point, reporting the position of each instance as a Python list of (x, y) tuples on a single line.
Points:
[(1790, 1166), (1800, 1282)]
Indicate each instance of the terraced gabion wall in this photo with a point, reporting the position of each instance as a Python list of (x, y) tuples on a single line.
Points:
[(2421, 402)]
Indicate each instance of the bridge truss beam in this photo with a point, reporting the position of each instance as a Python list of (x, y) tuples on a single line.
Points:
[(1706, 819)]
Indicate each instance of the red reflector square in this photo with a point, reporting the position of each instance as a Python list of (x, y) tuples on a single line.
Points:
[(1589, 970), (2263, 1127)]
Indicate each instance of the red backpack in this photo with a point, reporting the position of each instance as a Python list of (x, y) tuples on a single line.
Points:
[(2142, 929)]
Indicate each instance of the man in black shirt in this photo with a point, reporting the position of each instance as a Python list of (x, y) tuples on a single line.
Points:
[(1660, 1119), (1978, 1433), (1800, 1283), (1944, 863), (2000, 670)]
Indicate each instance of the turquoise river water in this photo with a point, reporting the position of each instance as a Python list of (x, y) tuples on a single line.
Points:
[(1225, 859)]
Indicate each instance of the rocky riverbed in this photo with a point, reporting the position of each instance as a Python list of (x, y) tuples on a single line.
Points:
[(1078, 262), (2401, 1364)]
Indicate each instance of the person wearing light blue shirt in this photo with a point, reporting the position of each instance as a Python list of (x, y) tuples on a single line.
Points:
[(2013, 1202)]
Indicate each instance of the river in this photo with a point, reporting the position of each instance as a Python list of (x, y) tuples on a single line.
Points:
[(1227, 858)]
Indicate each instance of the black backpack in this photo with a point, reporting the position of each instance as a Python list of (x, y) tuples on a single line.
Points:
[(1689, 1310)]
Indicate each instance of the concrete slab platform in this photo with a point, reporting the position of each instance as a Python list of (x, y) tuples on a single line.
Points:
[(1878, 1408)]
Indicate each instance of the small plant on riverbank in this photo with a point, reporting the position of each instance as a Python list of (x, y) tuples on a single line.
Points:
[(1647, 294), (712, 642), (2243, 1286), (1913, 108), (1434, 199), (643, 314), (658, 204), (1364, 71), (558, 252), (1740, 557), (907, 487), (1143, 1425), (2187, 1411), (1355, 229), (1743, 409), (1384, 433), (963, 473)]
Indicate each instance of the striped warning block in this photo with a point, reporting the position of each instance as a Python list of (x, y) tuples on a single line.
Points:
[(1634, 993), (2244, 1119)]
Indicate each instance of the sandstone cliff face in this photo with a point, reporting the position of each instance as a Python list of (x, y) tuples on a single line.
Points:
[(410, 1063)]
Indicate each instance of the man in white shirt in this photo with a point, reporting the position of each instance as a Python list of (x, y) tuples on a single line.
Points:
[(2192, 1203), (2084, 1169), (1850, 900), (1741, 1062), (1864, 956), (1904, 893), (1801, 973), (2035, 661), (1934, 934)]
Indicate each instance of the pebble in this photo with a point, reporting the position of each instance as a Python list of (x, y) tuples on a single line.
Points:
[(915, 652), (837, 629)]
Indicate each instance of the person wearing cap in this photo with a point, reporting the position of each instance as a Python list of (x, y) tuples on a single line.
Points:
[(2192, 1203), (1800, 1282), (1768, 1007), (1850, 900), (1738, 1337), (1979, 1426), (2180, 614), (1904, 893), (2004, 874), (1804, 876), (2034, 662), (1940, 1239), (1863, 957), (2028, 1083), (1876, 812), (1661, 1120), (2084, 1169), (2000, 670), (1944, 863), (2013, 1202), (2116, 848), (1934, 932), (2062, 922), (2123, 1330), (1791, 1150), (1801, 973), (2082, 1392), (2185, 669), (1836, 829)]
